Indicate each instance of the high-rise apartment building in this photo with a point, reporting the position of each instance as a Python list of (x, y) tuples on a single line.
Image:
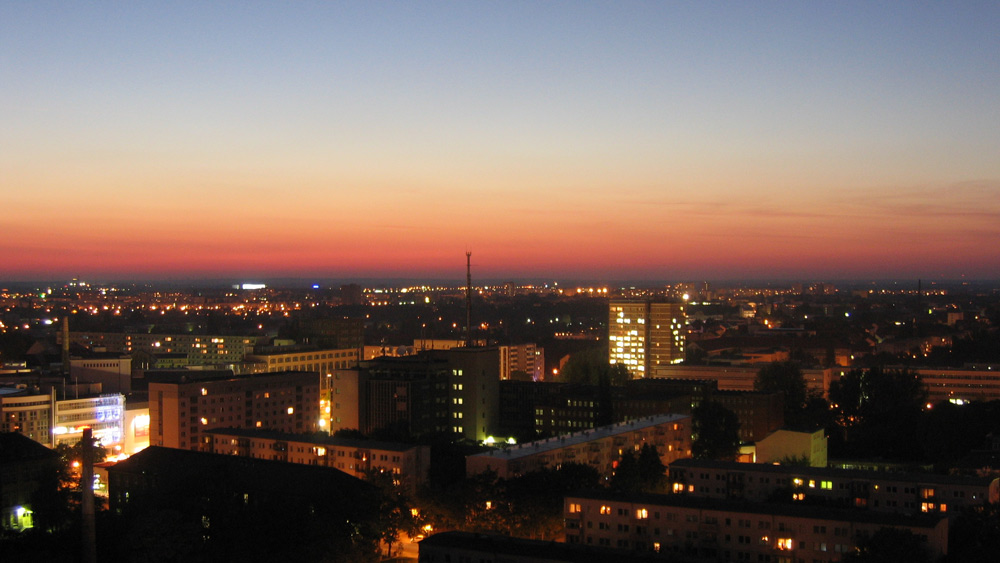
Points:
[(645, 334)]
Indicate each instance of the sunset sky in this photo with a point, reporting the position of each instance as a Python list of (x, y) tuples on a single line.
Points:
[(613, 140)]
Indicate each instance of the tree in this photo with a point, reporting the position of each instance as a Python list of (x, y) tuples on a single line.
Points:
[(626, 476), (783, 377), (589, 366), (879, 410), (890, 545), (651, 469), (716, 431), (395, 513)]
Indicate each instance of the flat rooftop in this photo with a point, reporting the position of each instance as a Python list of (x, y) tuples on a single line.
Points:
[(581, 437)]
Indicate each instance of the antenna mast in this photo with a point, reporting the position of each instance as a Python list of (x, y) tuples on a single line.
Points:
[(468, 299)]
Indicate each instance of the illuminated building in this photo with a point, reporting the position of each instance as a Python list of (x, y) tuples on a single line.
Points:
[(600, 448), (205, 350), (104, 415), (26, 413), (526, 358), (340, 400), (136, 427), (299, 358), (643, 335), (184, 403), (734, 530), (408, 463), (51, 421), (880, 491)]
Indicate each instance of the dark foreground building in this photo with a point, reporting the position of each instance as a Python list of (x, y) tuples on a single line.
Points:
[(453, 547), (219, 507), (28, 478)]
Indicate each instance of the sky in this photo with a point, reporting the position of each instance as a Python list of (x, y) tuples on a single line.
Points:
[(588, 140)]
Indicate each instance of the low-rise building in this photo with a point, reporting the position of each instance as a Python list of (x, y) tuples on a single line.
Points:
[(882, 491), (408, 463), (600, 448), (27, 468), (786, 444), (734, 531)]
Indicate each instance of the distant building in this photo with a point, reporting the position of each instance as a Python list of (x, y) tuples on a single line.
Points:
[(270, 359), (336, 333), (202, 350), (407, 463), (961, 384), (527, 359), (643, 335), (600, 448), (741, 378), (112, 370), (184, 403), (720, 530)]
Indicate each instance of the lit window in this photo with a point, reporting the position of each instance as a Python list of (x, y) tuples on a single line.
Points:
[(291, 410), (574, 508), (605, 509), (641, 513), (784, 544)]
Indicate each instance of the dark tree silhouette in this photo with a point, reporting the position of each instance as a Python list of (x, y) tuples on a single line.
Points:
[(716, 431)]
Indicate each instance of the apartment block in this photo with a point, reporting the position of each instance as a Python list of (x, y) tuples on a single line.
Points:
[(601, 447), (407, 463), (183, 404), (644, 335), (719, 530), (880, 491)]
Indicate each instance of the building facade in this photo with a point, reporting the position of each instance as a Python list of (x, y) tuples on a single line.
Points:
[(880, 491), (734, 531), (407, 463), (202, 350), (183, 404), (643, 335), (600, 448)]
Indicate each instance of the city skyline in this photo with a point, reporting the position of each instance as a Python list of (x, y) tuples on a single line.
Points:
[(638, 141)]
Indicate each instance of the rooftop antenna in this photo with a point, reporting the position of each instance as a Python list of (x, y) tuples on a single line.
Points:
[(468, 299)]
